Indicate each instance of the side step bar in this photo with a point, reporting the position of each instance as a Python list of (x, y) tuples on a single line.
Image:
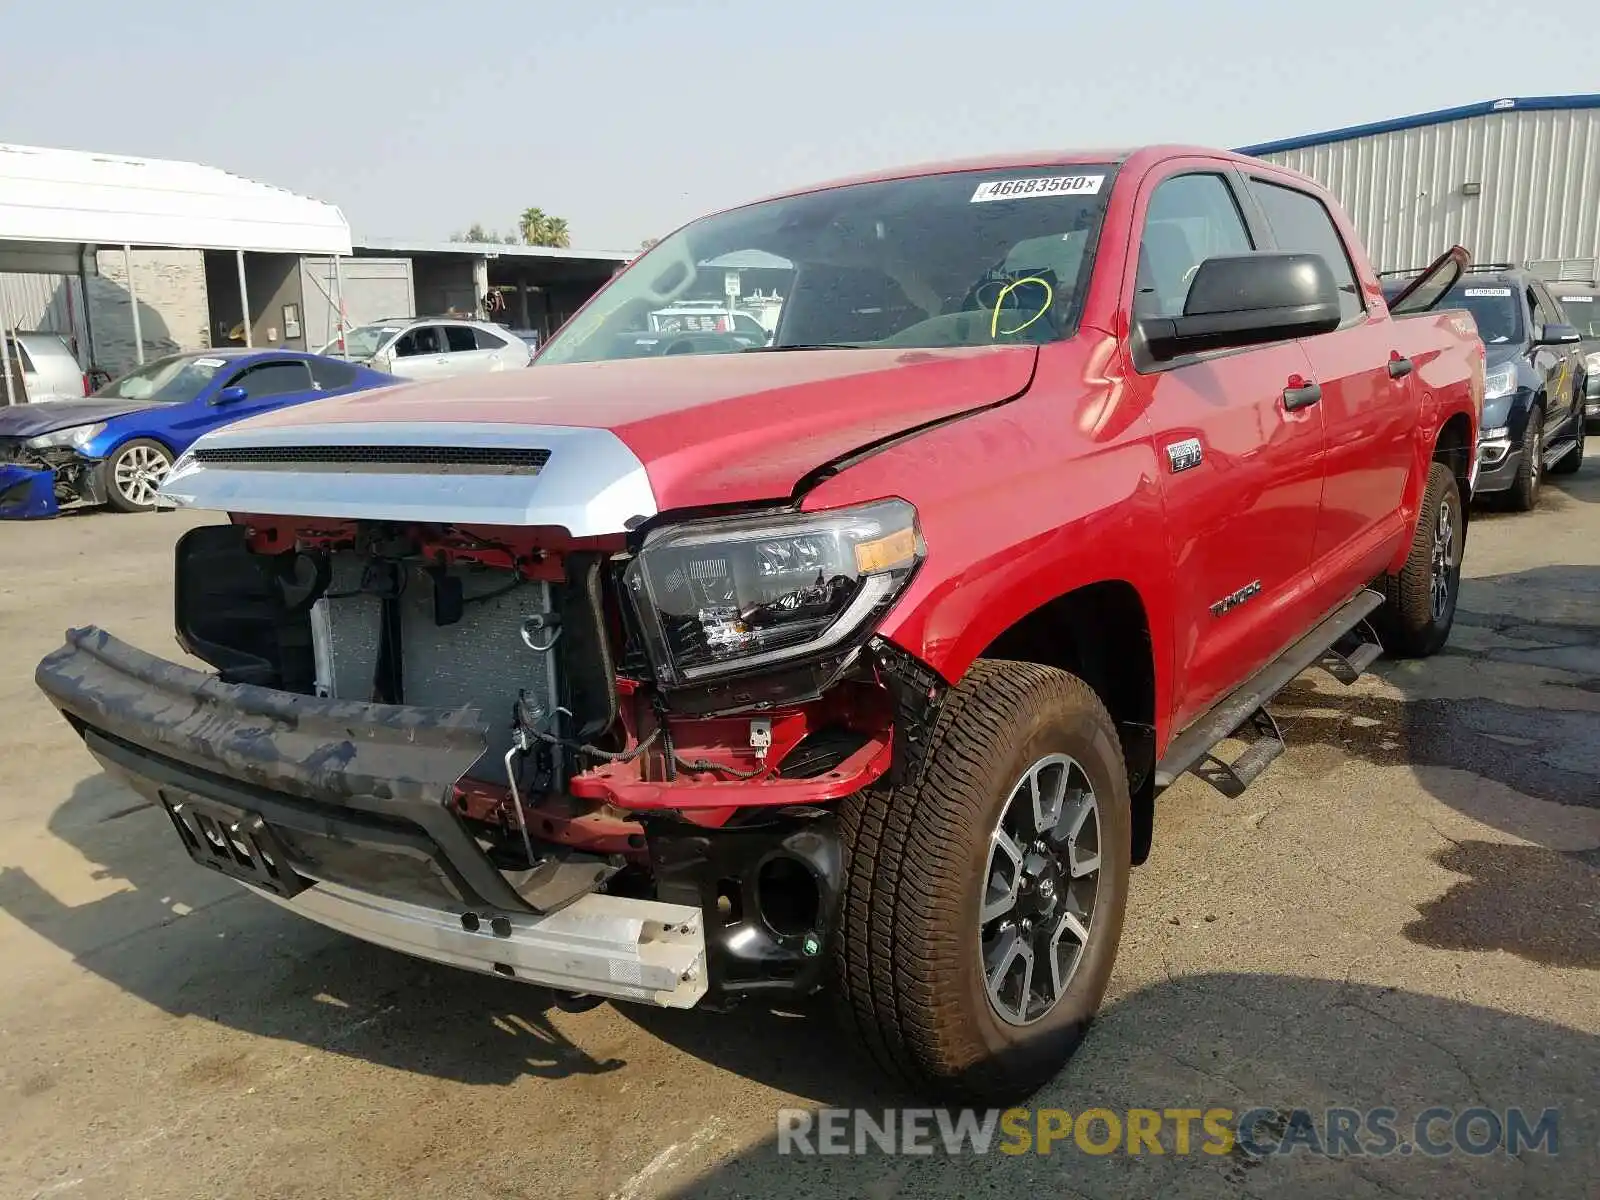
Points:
[(1342, 643)]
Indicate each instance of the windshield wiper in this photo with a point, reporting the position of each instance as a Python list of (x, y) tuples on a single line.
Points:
[(804, 346)]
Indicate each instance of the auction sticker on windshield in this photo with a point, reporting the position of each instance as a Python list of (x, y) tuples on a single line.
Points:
[(1028, 189), (1489, 291)]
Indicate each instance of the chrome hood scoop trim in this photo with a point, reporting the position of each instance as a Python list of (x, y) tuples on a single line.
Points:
[(585, 481)]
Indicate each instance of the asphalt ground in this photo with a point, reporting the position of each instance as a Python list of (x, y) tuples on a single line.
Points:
[(1403, 914)]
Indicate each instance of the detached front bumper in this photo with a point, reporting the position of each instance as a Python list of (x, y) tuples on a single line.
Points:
[(339, 811), (27, 493)]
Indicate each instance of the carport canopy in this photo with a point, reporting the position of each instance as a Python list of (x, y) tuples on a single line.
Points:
[(57, 206)]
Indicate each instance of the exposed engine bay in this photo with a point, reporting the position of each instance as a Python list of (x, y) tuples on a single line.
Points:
[(593, 777)]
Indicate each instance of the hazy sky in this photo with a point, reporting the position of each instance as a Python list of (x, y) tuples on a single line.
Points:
[(628, 117)]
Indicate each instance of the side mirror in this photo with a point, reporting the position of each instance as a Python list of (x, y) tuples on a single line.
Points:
[(230, 395), (1557, 335), (1248, 299)]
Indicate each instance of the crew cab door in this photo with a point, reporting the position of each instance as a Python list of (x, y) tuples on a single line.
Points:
[(1370, 404), (1240, 465), (1560, 366)]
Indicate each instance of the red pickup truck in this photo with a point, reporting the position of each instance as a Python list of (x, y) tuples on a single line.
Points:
[(684, 671)]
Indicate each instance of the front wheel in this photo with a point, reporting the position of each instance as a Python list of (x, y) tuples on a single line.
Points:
[(134, 473), (1524, 493), (984, 899), (1572, 461)]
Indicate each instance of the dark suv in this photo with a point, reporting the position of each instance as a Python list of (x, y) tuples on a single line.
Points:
[(1581, 302), (1534, 383)]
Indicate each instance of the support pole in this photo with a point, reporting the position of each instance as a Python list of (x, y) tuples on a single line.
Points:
[(338, 300), (88, 321), (133, 300), (244, 299), (5, 354)]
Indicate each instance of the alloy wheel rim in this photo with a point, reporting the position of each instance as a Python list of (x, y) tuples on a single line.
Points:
[(1444, 561), (1040, 882), (139, 473)]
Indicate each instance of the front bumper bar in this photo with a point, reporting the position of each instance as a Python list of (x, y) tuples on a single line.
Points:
[(338, 811), (601, 945)]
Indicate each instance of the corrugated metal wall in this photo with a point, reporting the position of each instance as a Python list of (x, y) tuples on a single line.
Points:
[(53, 303), (1539, 171)]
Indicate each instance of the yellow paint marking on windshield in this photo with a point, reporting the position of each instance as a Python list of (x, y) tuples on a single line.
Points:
[(1049, 299)]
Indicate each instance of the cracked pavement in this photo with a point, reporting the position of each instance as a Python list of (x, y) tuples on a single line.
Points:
[(1404, 911)]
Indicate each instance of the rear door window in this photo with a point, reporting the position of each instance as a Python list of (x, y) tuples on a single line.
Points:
[(328, 373), (489, 341), (460, 339), (1300, 222), (274, 379)]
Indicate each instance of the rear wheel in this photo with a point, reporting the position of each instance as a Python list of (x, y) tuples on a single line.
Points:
[(133, 474), (1420, 602), (984, 900), (1524, 493)]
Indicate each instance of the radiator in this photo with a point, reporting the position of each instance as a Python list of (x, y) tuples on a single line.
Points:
[(480, 660)]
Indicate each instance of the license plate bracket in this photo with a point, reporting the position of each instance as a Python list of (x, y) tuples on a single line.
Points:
[(232, 841)]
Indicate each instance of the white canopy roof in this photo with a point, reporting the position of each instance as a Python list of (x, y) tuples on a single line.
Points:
[(74, 196)]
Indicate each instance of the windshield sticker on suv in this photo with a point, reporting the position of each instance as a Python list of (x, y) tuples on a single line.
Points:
[(1029, 189), (1577, 299), (1489, 291)]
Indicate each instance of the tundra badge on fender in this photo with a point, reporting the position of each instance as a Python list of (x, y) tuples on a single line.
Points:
[(1229, 602), (1183, 455)]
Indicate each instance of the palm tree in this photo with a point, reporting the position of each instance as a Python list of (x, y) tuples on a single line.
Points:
[(541, 229)]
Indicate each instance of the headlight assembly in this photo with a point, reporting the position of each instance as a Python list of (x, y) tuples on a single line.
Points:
[(1500, 381), (78, 436), (737, 594)]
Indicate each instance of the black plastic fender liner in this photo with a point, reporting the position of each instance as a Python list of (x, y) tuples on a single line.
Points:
[(392, 761)]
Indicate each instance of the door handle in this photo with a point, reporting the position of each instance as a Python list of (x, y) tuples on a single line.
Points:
[(1303, 396), (1399, 367)]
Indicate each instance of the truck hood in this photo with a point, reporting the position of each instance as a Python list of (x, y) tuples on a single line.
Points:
[(47, 416), (704, 429)]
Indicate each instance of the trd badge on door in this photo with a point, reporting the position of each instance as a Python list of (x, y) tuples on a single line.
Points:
[(1183, 455)]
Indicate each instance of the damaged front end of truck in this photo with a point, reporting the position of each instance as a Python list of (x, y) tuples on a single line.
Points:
[(518, 742)]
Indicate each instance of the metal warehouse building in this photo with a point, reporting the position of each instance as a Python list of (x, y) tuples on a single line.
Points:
[(1513, 180)]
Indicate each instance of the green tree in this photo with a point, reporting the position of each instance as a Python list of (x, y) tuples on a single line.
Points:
[(539, 228)]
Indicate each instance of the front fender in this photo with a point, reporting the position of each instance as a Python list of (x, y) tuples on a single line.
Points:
[(1008, 529)]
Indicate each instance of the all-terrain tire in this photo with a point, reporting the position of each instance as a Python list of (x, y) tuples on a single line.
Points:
[(1572, 461), (1523, 495), (908, 942), (1420, 602)]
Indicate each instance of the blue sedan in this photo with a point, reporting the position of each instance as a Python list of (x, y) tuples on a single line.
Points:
[(116, 446)]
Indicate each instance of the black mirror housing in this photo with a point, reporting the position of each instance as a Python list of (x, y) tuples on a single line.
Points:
[(1240, 300), (1558, 335)]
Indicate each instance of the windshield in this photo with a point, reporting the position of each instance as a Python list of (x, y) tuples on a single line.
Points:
[(165, 381), (1583, 312), (362, 342), (959, 259), (1493, 306)]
